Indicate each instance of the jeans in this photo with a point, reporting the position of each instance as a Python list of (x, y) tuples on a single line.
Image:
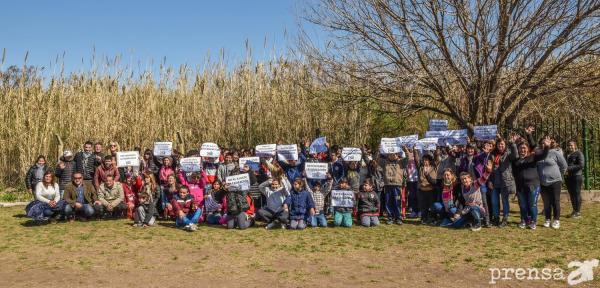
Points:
[(551, 199), (392, 201), (574, 187), (439, 210), (241, 220), (369, 221), (87, 210), (528, 198), (318, 220), (497, 193), (213, 219), (190, 218), (144, 214), (473, 214), (343, 219), (484, 198)]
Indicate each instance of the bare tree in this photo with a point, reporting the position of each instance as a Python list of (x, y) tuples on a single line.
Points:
[(477, 62)]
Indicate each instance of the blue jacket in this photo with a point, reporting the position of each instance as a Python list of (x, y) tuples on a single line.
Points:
[(293, 172), (299, 203)]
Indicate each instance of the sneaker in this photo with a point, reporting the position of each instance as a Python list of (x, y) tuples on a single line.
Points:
[(187, 227), (270, 226), (503, 223), (577, 216), (399, 222), (555, 224), (193, 227), (532, 226), (283, 226), (547, 223), (476, 228), (136, 225), (390, 221), (522, 225)]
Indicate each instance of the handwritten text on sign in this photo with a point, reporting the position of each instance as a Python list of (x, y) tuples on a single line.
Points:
[(342, 198), (287, 152), (128, 158), (239, 182), (316, 170), (163, 148)]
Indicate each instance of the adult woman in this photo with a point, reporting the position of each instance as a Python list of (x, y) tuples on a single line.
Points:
[(35, 173), (574, 178), (47, 201), (551, 170), (502, 180)]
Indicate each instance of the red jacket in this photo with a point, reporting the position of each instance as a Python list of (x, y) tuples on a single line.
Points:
[(186, 205), (131, 191), (101, 173)]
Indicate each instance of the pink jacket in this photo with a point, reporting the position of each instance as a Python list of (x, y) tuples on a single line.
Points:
[(196, 189)]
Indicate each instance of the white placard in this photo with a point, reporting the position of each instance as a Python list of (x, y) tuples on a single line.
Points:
[(409, 140), (316, 170), (488, 132), (438, 125), (390, 146), (253, 162), (128, 158), (265, 150), (239, 182), (210, 150), (342, 198), (191, 164), (457, 137), (351, 154), (429, 144), (163, 148), (287, 152)]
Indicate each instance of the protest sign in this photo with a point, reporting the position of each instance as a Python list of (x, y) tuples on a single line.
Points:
[(351, 154), (318, 145), (239, 182), (287, 152), (429, 144), (210, 150), (488, 132), (457, 137), (409, 140), (128, 158), (163, 148), (316, 170), (342, 198), (252, 162), (191, 164), (265, 150), (438, 125), (390, 146)]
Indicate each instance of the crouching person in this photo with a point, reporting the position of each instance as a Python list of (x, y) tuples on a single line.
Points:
[(473, 199), (297, 204), (368, 205), (273, 211), (80, 197), (145, 213), (238, 206), (110, 198), (187, 212)]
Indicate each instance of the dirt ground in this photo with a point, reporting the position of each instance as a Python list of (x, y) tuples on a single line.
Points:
[(113, 254)]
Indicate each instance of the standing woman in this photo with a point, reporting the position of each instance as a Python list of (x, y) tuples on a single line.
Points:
[(503, 181), (574, 178), (35, 174), (551, 170), (47, 199)]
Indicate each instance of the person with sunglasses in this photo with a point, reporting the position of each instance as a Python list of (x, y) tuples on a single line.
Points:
[(80, 197)]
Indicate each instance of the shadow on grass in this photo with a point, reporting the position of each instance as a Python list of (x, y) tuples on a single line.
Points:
[(20, 215), (34, 223)]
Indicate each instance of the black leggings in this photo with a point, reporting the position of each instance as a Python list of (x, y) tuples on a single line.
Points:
[(551, 199), (426, 199), (574, 187)]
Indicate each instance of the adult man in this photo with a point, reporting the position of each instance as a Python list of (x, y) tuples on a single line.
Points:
[(105, 170), (80, 196), (110, 198), (85, 162)]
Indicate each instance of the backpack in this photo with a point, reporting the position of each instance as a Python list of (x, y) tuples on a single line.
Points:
[(236, 204)]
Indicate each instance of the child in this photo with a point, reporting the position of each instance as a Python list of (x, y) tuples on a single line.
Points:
[(187, 211), (130, 189), (238, 208), (297, 203), (318, 195), (276, 195), (147, 199), (342, 216), (213, 200), (195, 185), (473, 198), (368, 205), (168, 192)]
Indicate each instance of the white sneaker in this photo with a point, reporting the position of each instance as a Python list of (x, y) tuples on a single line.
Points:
[(547, 224), (283, 226), (193, 227), (270, 226), (187, 227), (555, 224)]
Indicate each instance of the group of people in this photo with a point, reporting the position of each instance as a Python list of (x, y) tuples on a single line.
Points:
[(452, 186)]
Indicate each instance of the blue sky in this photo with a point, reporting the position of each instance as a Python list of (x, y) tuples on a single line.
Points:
[(182, 31)]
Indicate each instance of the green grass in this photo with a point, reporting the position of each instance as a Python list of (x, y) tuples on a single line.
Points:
[(296, 256)]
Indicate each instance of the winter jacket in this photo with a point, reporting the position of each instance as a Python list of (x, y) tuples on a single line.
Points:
[(575, 163), (552, 168), (393, 172), (31, 180), (89, 193), (502, 175), (102, 172), (186, 204), (299, 202), (111, 195), (85, 164), (65, 175), (293, 172), (196, 189), (526, 171), (472, 194), (368, 203)]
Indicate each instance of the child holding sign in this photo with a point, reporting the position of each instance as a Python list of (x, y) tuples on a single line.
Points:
[(343, 214)]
